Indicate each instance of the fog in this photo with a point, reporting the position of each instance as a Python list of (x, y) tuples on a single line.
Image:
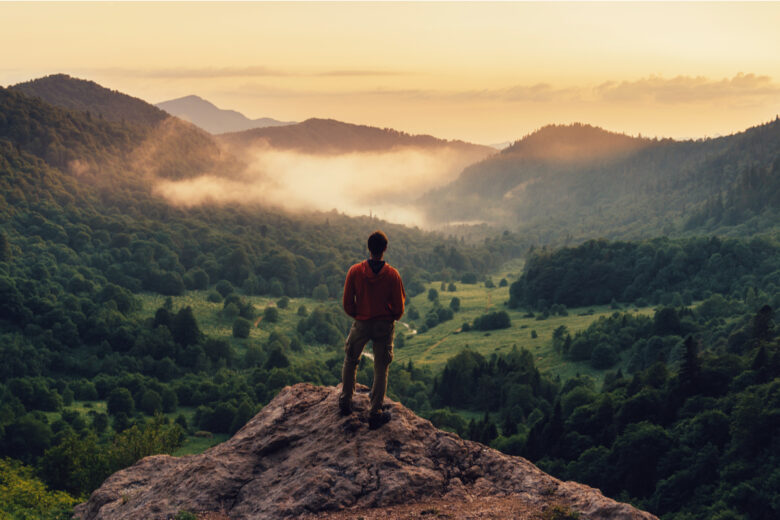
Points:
[(384, 184)]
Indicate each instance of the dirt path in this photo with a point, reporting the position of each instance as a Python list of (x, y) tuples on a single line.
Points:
[(436, 344)]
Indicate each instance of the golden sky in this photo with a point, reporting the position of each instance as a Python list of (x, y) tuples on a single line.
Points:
[(482, 72)]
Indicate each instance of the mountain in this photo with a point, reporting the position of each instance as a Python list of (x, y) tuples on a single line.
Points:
[(212, 119), (575, 182), (298, 458), (87, 96), (153, 143), (328, 136)]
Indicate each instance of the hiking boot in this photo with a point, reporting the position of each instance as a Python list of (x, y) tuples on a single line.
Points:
[(345, 405), (377, 419)]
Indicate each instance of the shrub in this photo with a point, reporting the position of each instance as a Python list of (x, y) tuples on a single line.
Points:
[(224, 288), (241, 328), (271, 314), (492, 321)]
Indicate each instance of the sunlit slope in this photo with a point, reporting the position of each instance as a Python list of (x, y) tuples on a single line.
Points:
[(579, 181)]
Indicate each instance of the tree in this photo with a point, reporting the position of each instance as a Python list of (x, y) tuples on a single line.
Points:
[(185, 328), (320, 292), (241, 328), (455, 304), (433, 294), (120, 400), (271, 314), (691, 366), (151, 402)]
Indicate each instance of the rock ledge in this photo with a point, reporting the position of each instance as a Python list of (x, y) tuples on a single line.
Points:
[(299, 457)]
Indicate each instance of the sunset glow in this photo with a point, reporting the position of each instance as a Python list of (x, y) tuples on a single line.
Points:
[(485, 73)]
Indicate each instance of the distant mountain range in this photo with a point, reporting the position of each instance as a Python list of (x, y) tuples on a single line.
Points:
[(558, 184), (213, 119)]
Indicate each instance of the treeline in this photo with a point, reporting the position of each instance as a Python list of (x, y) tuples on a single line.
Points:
[(599, 272)]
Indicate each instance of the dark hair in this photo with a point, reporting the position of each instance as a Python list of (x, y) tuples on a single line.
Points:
[(377, 243)]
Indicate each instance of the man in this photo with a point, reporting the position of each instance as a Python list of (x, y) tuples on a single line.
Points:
[(374, 296)]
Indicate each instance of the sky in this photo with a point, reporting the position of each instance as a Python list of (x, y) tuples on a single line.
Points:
[(480, 72)]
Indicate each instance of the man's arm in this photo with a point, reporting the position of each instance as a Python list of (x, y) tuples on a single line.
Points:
[(398, 299), (348, 298)]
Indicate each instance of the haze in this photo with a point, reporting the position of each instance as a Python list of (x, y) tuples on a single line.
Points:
[(383, 184), (485, 73)]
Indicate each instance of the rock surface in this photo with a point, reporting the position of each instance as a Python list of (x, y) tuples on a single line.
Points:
[(299, 458)]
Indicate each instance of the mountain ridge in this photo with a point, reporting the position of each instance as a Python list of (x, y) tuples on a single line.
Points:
[(616, 187), (330, 136), (213, 119), (84, 95)]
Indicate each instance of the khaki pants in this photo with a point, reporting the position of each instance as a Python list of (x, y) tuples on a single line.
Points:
[(380, 332)]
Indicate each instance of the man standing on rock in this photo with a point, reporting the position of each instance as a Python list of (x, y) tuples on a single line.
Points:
[(374, 296)]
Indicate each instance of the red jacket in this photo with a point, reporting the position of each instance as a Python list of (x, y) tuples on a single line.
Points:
[(373, 296)]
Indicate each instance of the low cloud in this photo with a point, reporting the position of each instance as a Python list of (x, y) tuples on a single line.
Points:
[(384, 184)]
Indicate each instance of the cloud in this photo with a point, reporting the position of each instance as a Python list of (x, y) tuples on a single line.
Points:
[(738, 91), (386, 184), (742, 89)]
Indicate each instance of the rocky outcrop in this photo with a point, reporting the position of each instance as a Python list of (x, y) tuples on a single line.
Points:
[(298, 457)]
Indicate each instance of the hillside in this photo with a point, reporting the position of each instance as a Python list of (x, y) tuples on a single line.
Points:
[(298, 457), (87, 96), (327, 136), (212, 119), (575, 182)]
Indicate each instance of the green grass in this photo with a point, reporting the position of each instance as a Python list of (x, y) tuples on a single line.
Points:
[(434, 347), (215, 325)]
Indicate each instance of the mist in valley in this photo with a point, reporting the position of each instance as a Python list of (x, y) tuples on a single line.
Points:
[(384, 184)]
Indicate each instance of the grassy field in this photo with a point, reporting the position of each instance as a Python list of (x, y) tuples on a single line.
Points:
[(433, 347), (212, 322), (437, 345)]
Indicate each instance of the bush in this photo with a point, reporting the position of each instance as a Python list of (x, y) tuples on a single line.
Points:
[(224, 288), (120, 400), (241, 328), (492, 321), (468, 278), (455, 304), (214, 297), (271, 314), (503, 283), (433, 294), (451, 287), (320, 292)]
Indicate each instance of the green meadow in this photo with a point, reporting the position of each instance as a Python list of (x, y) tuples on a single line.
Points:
[(433, 347)]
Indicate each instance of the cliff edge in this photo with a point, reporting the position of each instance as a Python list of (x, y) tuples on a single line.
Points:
[(298, 457)]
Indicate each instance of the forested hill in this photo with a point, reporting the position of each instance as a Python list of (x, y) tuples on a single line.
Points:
[(577, 142), (578, 182), (87, 96), (328, 136), (44, 146)]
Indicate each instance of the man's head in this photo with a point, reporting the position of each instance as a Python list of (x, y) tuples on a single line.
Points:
[(377, 243)]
